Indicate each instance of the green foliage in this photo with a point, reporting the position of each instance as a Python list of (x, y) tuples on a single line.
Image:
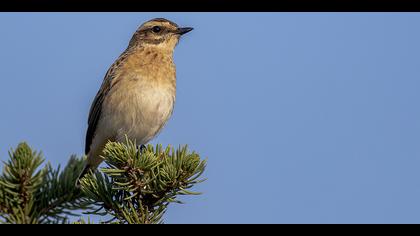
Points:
[(30, 194), (58, 197), (137, 186), (134, 187), (19, 181)]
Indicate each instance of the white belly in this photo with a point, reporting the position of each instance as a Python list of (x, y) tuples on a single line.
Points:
[(139, 112)]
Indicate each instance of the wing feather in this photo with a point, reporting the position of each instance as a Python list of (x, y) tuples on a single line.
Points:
[(96, 107), (95, 111)]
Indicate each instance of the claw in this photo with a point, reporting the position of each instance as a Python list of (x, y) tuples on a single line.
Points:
[(142, 148)]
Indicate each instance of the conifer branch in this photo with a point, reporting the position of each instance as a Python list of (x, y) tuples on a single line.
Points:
[(135, 186), (30, 194)]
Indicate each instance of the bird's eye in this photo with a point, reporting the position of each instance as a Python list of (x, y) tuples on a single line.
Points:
[(156, 29)]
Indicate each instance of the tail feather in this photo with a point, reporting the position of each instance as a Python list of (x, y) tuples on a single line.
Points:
[(85, 170)]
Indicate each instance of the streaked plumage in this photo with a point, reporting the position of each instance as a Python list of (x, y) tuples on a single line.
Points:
[(137, 95)]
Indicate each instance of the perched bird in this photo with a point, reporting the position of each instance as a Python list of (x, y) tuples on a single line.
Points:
[(137, 95)]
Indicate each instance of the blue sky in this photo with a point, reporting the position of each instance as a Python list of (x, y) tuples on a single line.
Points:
[(304, 117)]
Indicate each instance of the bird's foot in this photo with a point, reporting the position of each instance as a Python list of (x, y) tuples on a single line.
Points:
[(142, 148)]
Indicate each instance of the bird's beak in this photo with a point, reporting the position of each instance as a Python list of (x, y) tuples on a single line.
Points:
[(182, 31)]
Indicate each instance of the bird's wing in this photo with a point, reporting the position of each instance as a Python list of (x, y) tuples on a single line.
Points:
[(95, 110)]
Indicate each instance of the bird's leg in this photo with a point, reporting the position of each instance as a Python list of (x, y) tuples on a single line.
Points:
[(142, 148)]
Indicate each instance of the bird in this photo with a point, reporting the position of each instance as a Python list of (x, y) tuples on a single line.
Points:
[(137, 95)]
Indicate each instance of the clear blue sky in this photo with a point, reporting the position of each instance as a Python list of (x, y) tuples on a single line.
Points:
[(304, 117)]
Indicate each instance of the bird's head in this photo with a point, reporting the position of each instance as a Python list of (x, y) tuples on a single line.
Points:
[(158, 32)]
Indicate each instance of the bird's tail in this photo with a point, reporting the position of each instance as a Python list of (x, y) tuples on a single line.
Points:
[(85, 170)]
